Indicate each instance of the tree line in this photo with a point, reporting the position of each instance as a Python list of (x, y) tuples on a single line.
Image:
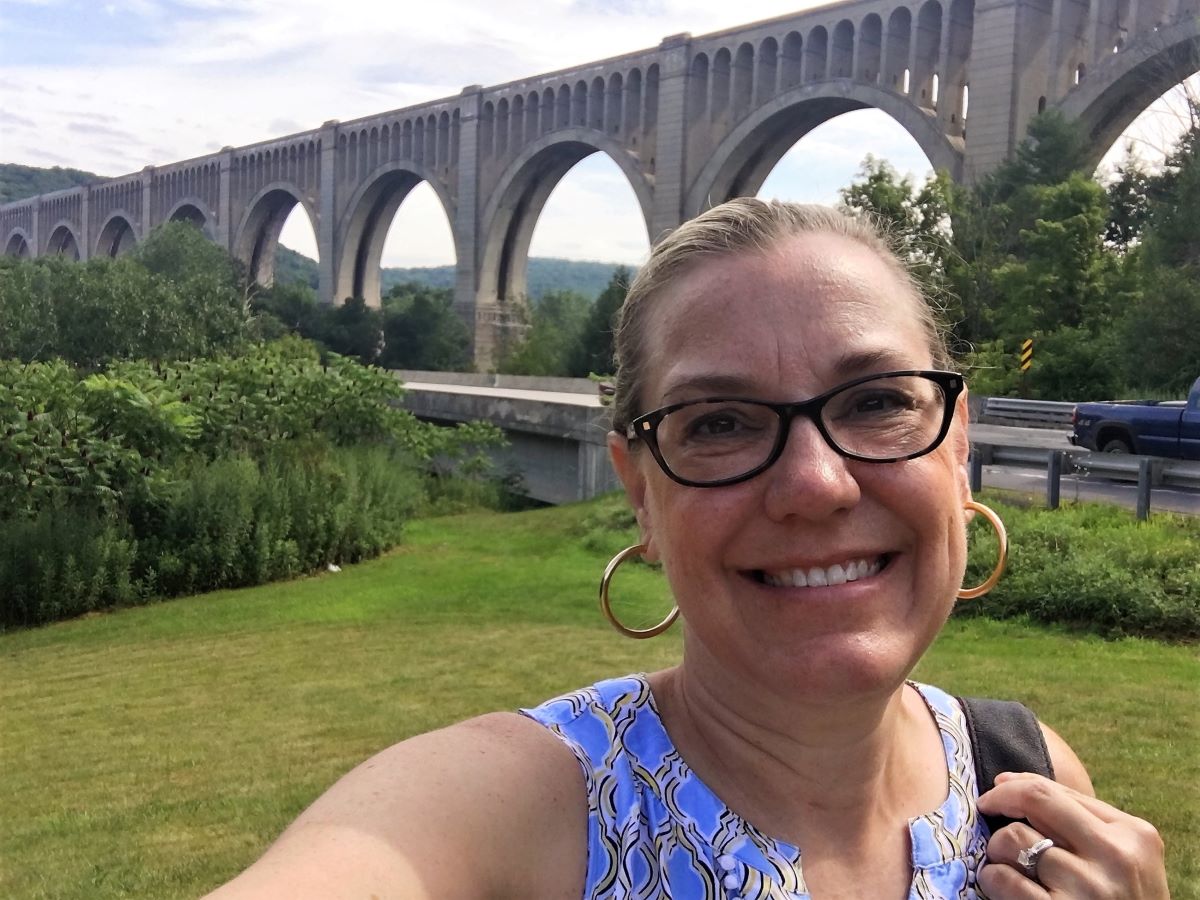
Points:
[(1104, 279)]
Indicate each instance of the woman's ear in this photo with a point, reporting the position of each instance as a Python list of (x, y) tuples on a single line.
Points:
[(626, 462), (960, 437)]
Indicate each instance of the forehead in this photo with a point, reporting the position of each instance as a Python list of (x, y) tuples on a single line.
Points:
[(812, 311)]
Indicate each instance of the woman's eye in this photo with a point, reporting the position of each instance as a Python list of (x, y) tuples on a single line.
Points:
[(712, 426), (868, 404)]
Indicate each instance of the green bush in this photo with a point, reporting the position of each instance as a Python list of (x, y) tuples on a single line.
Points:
[(1094, 567), (232, 522), (62, 563)]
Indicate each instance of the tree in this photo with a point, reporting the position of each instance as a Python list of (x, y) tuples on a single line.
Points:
[(553, 340), (422, 330), (355, 329), (595, 350)]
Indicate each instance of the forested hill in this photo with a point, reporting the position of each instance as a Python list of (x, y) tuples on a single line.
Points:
[(18, 182), (544, 274)]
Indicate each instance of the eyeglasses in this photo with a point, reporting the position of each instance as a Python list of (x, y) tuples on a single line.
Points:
[(881, 418)]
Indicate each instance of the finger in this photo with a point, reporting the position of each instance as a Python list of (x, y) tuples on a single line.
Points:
[(1058, 869), (1053, 809), (1104, 811), (1001, 882)]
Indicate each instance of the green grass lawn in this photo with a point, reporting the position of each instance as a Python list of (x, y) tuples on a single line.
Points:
[(154, 752)]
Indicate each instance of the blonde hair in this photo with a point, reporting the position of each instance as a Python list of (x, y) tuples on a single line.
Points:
[(743, 225)]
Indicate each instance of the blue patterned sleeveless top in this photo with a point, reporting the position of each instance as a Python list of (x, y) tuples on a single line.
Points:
[(655, 830)]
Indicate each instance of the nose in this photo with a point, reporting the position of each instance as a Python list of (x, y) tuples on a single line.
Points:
[(810, 478)]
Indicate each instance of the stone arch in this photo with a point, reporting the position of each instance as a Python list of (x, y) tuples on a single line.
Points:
[(521, 193), (841, 50), (1111, 97), (258, 232), (870, 48), (63, 241), (191, 209), (18, 244), (117, 235), (742, 161), (365, 225)]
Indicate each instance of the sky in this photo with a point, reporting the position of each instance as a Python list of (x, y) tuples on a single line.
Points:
[(111, 87)]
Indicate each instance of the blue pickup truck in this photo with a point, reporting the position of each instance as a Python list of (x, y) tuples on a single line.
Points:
[(1150, 427)]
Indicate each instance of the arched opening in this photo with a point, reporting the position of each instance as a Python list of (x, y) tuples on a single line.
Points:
[(519, 208), (829, 157), (1107, 103), (870, 49), (842, 58), (17, 246), (595, 190), (926, 55), (187, 212), (741, 164), (815, 52), (297, 258), (897, 42), (258, 236), (418, 237), (1154, 132), (792, 65), (375, 236), (62, 243), (116, 238)]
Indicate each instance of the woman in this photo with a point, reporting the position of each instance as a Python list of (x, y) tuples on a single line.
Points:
[(813, 533)]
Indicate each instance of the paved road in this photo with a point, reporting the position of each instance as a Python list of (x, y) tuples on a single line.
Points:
[(1074, 487)]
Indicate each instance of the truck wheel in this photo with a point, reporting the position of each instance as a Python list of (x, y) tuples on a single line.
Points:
[(1116, 445)]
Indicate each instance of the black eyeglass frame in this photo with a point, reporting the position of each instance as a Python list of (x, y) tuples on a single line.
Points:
[(645, 426)]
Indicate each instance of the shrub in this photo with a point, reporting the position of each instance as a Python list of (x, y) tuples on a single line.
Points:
[(231, 522), (1094, 567)]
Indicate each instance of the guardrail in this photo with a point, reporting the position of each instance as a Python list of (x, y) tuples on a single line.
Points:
[(1026, 413), (1148, 471)]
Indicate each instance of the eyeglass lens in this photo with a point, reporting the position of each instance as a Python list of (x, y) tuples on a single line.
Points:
[(881, 419)]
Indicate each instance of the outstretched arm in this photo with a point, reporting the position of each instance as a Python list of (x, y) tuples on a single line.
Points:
[(491, 807)]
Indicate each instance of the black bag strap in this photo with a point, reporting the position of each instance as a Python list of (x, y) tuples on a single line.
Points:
[(1005, 737)]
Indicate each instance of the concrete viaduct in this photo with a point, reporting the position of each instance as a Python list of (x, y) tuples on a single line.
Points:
[(691, 122)]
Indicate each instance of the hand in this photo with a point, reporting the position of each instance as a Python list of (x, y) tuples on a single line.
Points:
[(1099, 852)]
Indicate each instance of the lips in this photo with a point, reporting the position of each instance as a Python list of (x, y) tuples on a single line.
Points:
[(852, 569)]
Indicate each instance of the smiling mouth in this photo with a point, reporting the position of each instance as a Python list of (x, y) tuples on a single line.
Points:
[(819, 576)]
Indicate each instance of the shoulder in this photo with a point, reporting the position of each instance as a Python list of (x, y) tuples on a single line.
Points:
[(455, 812), (1068, 769)]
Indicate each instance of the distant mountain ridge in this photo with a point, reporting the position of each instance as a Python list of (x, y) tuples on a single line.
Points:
[(544, 274), (19, 182)]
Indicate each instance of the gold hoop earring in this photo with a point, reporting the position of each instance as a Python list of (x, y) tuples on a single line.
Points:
[(606, 606), (1002, 535)]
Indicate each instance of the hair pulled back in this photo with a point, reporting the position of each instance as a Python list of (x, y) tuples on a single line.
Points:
[(742, 225)]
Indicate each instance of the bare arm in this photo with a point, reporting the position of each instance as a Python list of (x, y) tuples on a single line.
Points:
[(491, 807)]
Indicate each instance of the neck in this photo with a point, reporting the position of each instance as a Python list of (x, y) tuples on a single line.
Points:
[(799, 769)]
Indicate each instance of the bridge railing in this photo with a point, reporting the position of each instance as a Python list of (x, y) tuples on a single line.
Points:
[(1147, 471), (1026, 413)]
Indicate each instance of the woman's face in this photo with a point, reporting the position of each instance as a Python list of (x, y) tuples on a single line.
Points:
[(815, 311)]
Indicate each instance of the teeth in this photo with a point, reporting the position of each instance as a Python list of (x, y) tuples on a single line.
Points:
[(852, 570)]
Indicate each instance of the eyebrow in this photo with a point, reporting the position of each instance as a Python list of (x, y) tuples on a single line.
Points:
[(862, 362), (847, 367)]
